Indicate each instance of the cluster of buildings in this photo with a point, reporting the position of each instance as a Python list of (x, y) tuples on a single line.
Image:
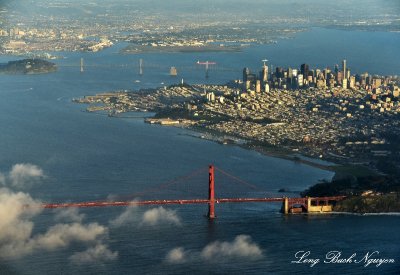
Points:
[(292, 78), (146, 100), (333, 119), (331, 122), (29, 35), (12, 33), (314, 122), (30, 40)]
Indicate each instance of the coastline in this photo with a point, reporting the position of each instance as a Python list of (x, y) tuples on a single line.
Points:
[(377, 204), (276, 152), (370, 204), (281, 153), (339, 169), (361, 205), (350, 179), (140, 49), (28, 66)]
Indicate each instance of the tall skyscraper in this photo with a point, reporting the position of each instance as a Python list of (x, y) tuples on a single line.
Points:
[(258, 86), (344, 84), (344, 68), (352, 82), (327, 71), (289, 72), (266, 88), (247, 84), (246, 72), (304, 70), (300, 80), (264, 73), (317, 72), (339, 77), (279, 72)]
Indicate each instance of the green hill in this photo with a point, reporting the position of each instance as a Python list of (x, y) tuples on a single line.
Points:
[(28, 66)]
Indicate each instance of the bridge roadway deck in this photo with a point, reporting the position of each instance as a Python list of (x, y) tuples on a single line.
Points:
[(165, 202)]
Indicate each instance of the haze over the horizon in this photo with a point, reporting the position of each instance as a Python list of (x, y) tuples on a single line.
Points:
[(313, 12)]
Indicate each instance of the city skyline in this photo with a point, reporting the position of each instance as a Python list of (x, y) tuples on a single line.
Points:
[(175, 137)]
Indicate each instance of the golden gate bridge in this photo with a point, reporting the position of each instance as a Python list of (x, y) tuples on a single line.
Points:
[(289, 205)]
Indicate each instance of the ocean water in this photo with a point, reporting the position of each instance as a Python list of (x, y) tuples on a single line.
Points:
[(88, 156)]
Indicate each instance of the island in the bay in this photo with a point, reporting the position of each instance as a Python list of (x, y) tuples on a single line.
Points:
[(28, 66), (350, 120)]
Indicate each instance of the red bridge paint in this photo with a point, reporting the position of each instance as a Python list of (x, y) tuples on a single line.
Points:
[(194, 201), (210, 201)]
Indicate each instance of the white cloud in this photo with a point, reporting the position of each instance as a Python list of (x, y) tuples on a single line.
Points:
[(151, 217), (24, 175), (69, 215), (127, 217), (242, 246), (176, 255), (2, 179), (61, 235), (160, 215), (15, 219), (17, 210), (97, 254), (21, 242)]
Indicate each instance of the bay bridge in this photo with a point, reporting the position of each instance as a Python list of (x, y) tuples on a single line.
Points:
[(142, 65), (289, 205)]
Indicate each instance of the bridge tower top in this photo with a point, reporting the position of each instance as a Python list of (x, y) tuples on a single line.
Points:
[(81, 64)]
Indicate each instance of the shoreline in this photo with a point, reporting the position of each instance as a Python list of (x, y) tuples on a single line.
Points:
[(369, 214), (141, 49), (353, 204), (276, 152), (279, 153), (339, 169), (336, 166)]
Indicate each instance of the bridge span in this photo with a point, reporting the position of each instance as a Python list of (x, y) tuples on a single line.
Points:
[(156, 202), (289, 205)]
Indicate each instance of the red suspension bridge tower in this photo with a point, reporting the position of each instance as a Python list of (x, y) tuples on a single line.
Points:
[(289, 205), (211, 192)]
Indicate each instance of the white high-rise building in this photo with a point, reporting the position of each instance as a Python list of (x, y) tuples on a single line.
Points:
[(300, 80), (258, 86), (266, 88), (344, 83), (265, 73)]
